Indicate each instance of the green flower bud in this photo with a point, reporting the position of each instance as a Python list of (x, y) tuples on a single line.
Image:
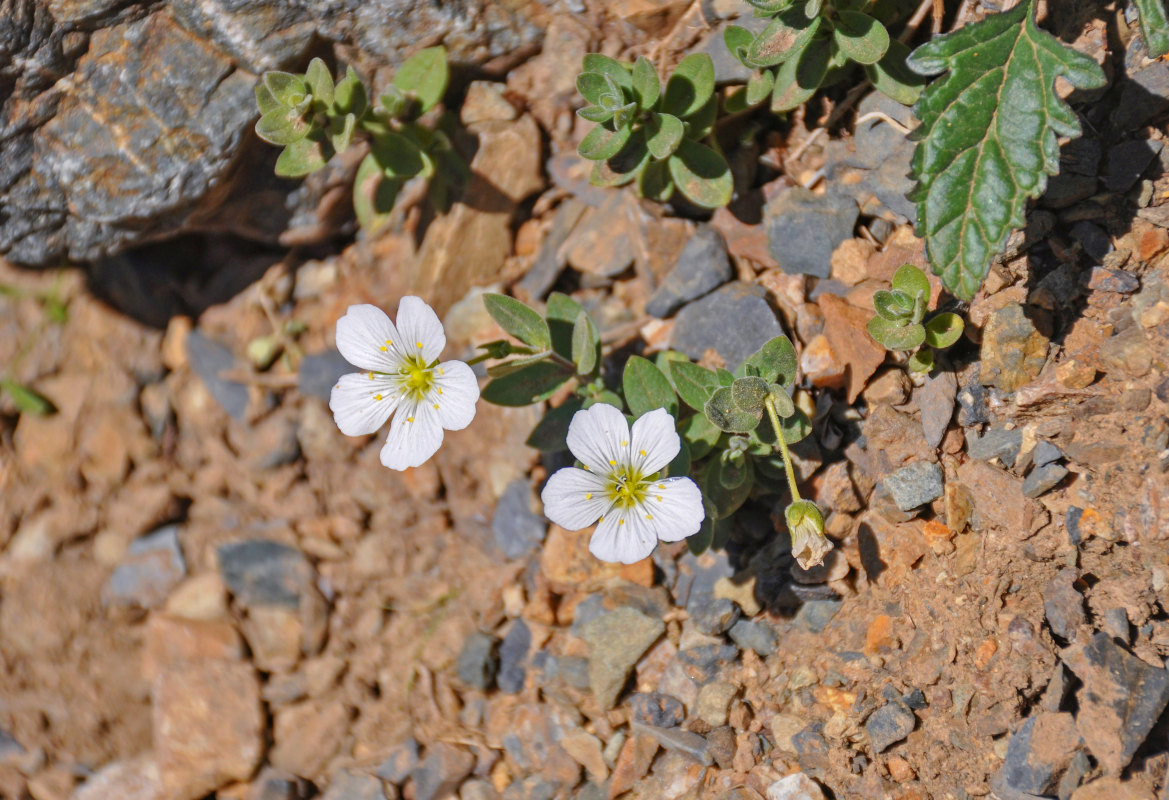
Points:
[(805, 524)]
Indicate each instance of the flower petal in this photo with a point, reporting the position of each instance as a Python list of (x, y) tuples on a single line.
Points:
[(455, 392), (673, 509), (422, 333), (654, 442), (361, 402), (574, 499), (415, 435), (362, 336), (622, 536), (599, 438)]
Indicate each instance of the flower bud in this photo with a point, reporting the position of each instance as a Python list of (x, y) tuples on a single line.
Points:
[(805, 524)]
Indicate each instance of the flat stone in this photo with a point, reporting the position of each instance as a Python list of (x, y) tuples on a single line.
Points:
[(319, 373), (152, 567), (478, 661), (888, 725), (1120, 701), (134, 779), (702, 267), (261, 572), (1045, 453), (853, 348), (1013, 350), (972, 406), (399, 762), (633, 762), (517, 529), (814, 615), (714, 701), (716, 616), (687, 743), (208, 359), (915, 485), (1103, 279), (602, 243), (307, 736), (1126, 162), (617, 640), (349, 784), (1043, 479), (796, 786), (935, 400), (757, 636), (1040, 752), (550, 261), (804, 228), (440, 773), (706, 324), (1063, 605), (1144, 96), (1093, 239), (994, 443), (513, 658), (657, 709)]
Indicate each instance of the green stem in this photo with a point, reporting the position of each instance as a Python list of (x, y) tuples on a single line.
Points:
[(769, 404), (478, 358)]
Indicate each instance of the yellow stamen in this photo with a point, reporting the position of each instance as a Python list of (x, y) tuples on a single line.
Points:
[(388, 341), (625, 444), (418, 343), (643, 454), (620, 522), (589, 496), (649, 516), (661, 486), (612, 463), (436, 406), (377, 397), (383, 348), (441, 371), (602, 519), (411, 419), (371, 376), (439, 390)]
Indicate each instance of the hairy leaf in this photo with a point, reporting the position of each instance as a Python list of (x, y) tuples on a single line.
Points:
[(601, 143), (774, 362), (520, 321), (797, 79), (663, 134), (783, 38), (1154, 26), (911, 281), (586, 344), (532, 384), (396, 155), (373, 194), (700, 434), (896, 336), (349, 95), (989, 136), (288, 89), (695, 384), (603, 65), (893, 306), (860, 37), (702, 174), (721, 410), (646, 86), (646, 388), (737, 40), (654, 181), (303, 157), (893, 78), (561, 311), (425, 76), (921, 361), (749, 394), (623, 167), (282, 126), (943, 330), (319, 81), (691, 85)]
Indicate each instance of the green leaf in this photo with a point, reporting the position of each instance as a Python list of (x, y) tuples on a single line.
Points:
[(680, 466), (288, 89), (727, 501), (551, 432), (26, 400), (737, 40), (595, 114), (749, 393), (860, 37), (341, 131), (944, 330), (732, 473), (646, 388), (921, 361), (396, 155), (894, 336), (893, 78), (265, 101), (725, 378), (663, 135), (561, 311), (424, 75), (349, 95), (893, 306), (702, 174), (1154, 26), (784, 407), (646, 86), (373, 194), (695, 384), (775, 362), (701, 435), (701, 122), (912, 282), (303, 157), (601, 144), (515, 364), (586, 345), (520, 321), (795, 428), (989, 136), (691, 85), (623, 167), (722, 412), (797, 79), (603, 65), (769, 7), (785, 37), (532, 384), (607, 397), (591, 86), (759, 86), (282, 126), (654, 181), (700, 542), (319, 81)]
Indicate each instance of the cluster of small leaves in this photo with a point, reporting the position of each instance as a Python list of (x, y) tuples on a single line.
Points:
[(313, 118), (654, 137), (728, 443), (900, 323), (989, 136), (1154, 26), (809, 44)]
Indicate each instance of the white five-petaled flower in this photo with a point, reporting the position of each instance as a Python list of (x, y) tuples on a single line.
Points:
[(619, 487), (402, 373)]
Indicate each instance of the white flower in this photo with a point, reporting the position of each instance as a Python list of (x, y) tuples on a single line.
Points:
[(805, 524), (618, 485), (401, 372)]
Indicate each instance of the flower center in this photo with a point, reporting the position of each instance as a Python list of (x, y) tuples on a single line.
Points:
[(627, 487), (416, 378)]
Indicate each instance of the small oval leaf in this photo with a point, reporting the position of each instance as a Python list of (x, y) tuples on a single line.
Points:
[(702, 174), (860, 37), (646, 388), (520, 321)]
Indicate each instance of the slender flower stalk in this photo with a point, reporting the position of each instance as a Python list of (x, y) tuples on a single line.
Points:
[(805, 521)]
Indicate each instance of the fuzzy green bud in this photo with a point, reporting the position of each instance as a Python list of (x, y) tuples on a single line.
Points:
[(805, 524)]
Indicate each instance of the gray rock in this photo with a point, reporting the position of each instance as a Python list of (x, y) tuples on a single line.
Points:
[(1120, 701), (997, 443), (702, 267), (1104, 279), (616, 641), (1063, 605), (152, 566), (550, 261), (887, 154), (814, 615), (935, 400), (716, 616), (208, 359), (320, 372), (888, 725), (803, 229), (351, 785), (1093, 239), (399, 762), (517, 529), (681, 741), (261, 572), (734, 321), (972, 399), (1040, 752), (915, 485), (477, 662), (10, 749), (1043, 479), (440, 773), (1045, 453), (657, 709), (532, 788), (1081, 156), (1067, 190), (478, 790), (513, 657), (1126, 162), (757, 636), (1115, 624), (1143, 97)]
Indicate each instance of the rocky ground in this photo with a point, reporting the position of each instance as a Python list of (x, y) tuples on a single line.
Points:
[(207, 591)]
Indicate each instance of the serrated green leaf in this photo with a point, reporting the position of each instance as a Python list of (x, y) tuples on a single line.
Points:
[(288, 89), (701, 174), (623, 167), (424, 75), (303, 157), (646, 388), (603, 65), (775, 362), (520, 321), (561, 312), (690, 86), (893, 306), (894, 336), (282, 126), (893, 78), (663, 133), (397, 155), (646, 86), (944, 330), (586, 345), (783, 38), (319, 81), (373, 195), (695, 384), (921, 361), (601, 144), (27, 400), (797, 79), (551, 432), (722, 412), (737, 40), (860, 37), (532, 384), (749, 393), (700, 434), (1154, 26), (989, 136)]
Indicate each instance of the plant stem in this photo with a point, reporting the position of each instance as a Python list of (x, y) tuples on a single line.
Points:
[(769, 404)]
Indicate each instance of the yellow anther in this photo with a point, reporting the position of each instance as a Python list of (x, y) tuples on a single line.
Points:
[(620, 522), (371, 376), (436, 406), (377, 397), (649, 516), (661, 486), (388, 341), (418, 343), (383, 348), (659, 497), (625, 444), (411, 419), (589, 496), (643, 453), (440, 390), (602, 519), (612, 463), (441, 371)]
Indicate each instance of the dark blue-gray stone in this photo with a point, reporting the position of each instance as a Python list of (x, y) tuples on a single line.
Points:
[(477, 662), (681, 741), (1045, 453), (803, 228), (889, 724), (1093, 239), (152, 566), (260, 572), (915, 485), (715, 616), (1063, 605), (320, 372), (1118, 281), (702, 267), (734, 321), (1036, 765), (1126, 162), (513, 656), (657, 709), (997, 443), (516, 528), (1043, 479), (972, 397), (757, 636), (208, 359), (815, 615)]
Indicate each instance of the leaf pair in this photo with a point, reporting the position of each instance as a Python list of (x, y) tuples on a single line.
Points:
[(652, 137), (900, 312)]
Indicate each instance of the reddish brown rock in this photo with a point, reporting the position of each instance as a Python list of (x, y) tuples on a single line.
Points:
[(845, 327)]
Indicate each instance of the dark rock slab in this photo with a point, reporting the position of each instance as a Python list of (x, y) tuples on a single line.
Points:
[(1126, 162), (702, 267), (803, 228), (517, 529), (1094, 239), (617, 639), (757, 636), (478, 661), (935, 400), (997, 443), (1103, 279), (1144, 96), (1043, 479), (1045, 453), (814, 615), (152, 566), (681, 741), (513, 657), (319, 373), (1040, 753), (657, 709), (441, 771), (734, 321), (915, 485), (1063, 605), (261, 572), (716, 616)]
